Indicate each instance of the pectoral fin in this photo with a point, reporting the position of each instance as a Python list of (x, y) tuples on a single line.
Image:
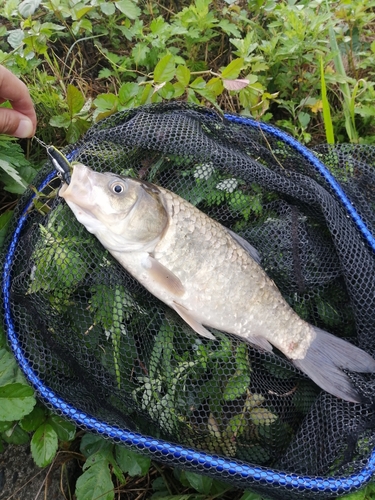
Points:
[(163, 276), (187, 316)]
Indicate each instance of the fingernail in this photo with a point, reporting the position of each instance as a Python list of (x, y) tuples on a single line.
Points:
[(25, 129)]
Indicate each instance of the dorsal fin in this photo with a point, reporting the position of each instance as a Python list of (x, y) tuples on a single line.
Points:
[(253, 252)]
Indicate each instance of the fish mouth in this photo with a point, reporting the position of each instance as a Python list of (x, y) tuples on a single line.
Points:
[(80, 185), (78, 192), (63, 188)]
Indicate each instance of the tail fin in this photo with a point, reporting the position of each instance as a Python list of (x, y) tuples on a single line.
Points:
[(325, 359)]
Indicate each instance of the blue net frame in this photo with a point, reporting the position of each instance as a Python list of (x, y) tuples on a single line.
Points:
[(241, 474)]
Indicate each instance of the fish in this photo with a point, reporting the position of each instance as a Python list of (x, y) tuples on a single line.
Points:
[(210, 276)]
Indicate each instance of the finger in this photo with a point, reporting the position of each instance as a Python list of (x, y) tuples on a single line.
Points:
[(12, 89), (14, 123)]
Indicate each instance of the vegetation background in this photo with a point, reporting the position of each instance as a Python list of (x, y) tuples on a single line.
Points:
[(306, 66)]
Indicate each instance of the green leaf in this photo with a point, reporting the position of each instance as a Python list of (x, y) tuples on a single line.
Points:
[(200, 483), (364, 111), (215, 85), (12, 172), (229, 28), (58, 266), (16, 401), (159, 484), (303, 118), (105, 73), (91, 443), (15, 435), (15, 39), (3, 341), (4, 225), (64, 429), (75, 99), (105, 102), (204, 91), (167, 91), (116, 470), (34, 419), (105, 455), (132, 463), (179, 89), (198, 83), (28, 7), (129, 8), (8, 367), (110, 305), (128, 91), (95, 483), (163, 496), (82, 24), (44, 445), (233, 69), (249, 495), (108, 8), (140, 53), (60, 121), (48, 28), (183, 75), (76, 129), (4, 426), (236, 387), (262, 416), (242, 360), (236, 425), (165, 69), (79, 13), (358, 495), (146, 94)]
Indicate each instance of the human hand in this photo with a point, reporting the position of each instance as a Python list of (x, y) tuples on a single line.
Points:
[(20, 120)]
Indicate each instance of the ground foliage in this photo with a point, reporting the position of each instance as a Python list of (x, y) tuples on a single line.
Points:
[(304, 66)]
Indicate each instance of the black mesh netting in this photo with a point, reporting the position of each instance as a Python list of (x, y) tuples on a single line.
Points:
[(93, 335)]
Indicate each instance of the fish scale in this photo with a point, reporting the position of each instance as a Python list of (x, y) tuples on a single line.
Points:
[(238, 281), (209, 275)]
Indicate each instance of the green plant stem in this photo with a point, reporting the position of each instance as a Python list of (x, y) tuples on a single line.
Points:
[(326, 108), (348, 107)]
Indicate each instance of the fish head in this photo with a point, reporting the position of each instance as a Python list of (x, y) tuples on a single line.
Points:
[(124, 214)]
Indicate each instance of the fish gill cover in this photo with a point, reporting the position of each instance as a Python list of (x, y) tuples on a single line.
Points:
[(105, 352)]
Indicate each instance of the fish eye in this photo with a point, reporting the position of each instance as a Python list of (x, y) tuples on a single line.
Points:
[(118, 187)]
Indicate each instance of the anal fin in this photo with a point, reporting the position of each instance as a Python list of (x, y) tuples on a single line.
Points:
[(187, 316), (260, 342)]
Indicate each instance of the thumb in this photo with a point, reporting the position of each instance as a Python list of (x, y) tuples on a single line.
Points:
[(14, 123)]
